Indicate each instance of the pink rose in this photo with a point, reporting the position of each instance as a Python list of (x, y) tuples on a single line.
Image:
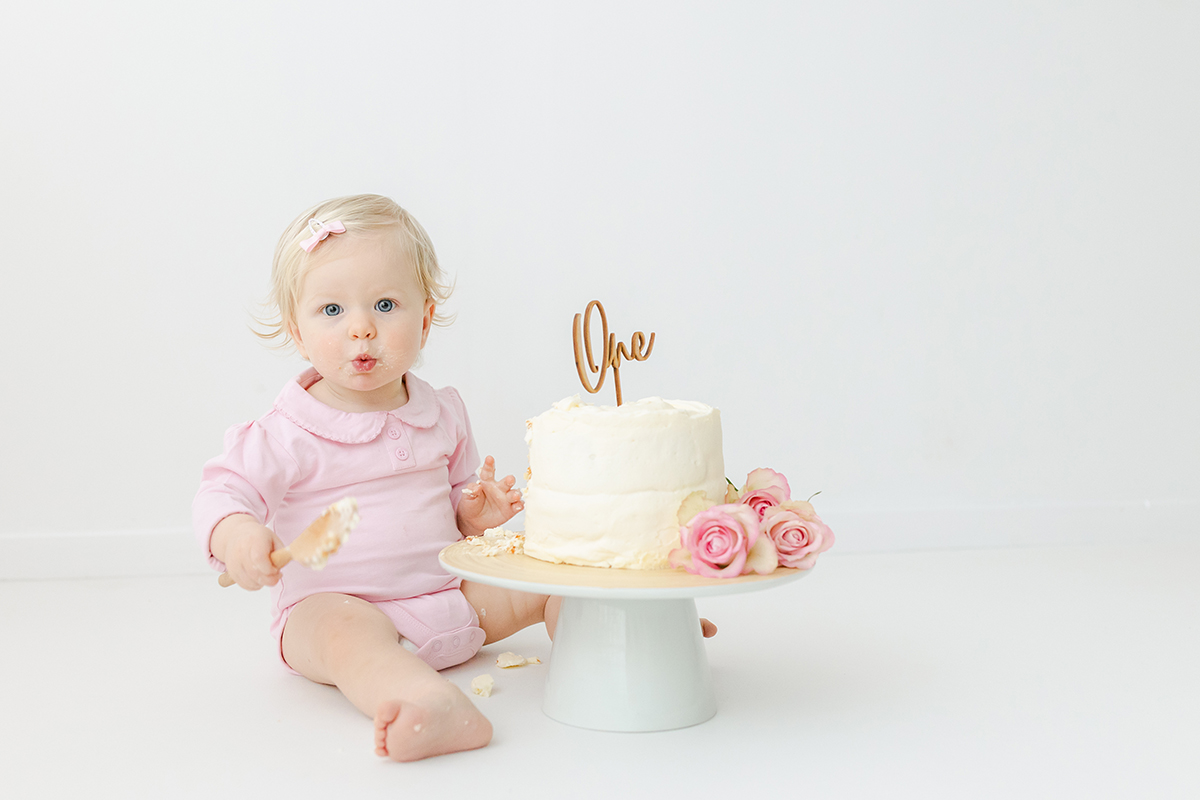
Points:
[(798, 534), (717, 541), (765, 488)]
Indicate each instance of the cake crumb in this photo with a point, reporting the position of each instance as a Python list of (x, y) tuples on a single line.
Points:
[(497, 541), (482, 685), (509, 660)]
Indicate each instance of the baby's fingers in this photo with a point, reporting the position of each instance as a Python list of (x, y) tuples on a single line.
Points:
[(248, 579), (488, 471), (265, 572)]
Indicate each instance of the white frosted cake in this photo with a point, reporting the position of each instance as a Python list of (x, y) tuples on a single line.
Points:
[(606, 483)]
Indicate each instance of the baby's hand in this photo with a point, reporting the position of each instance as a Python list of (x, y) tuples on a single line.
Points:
[(488, 502), (245, 546)]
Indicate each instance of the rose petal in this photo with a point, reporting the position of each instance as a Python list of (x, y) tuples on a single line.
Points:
[(762, 558), (718, 540), (808, 562), (680, 558), (798, 540), (768, 479), (718, 544), (760, 500), (692, 505), (827, 537), (801, 507)]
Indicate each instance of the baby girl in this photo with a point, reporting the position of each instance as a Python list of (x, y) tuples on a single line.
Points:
[(356, 285)]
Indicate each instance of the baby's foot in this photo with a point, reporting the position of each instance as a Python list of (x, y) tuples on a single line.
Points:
[(442, 721), (707, 629)]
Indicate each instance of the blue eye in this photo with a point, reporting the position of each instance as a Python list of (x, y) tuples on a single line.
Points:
[(385, 305), (331, 310)]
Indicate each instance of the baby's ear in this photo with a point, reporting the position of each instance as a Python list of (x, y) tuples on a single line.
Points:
[(293, 333), (427, 321)]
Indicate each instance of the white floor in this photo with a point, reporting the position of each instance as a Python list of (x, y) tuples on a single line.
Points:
[(1065, 672)]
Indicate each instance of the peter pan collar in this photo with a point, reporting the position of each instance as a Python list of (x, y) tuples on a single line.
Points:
[(349, 427)]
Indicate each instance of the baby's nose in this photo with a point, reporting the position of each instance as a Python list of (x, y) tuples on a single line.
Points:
[(361, 327)]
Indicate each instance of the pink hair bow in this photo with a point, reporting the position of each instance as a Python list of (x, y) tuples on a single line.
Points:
[(320, 231)]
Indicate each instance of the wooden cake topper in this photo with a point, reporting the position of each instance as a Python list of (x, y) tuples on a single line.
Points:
[(613, 351)]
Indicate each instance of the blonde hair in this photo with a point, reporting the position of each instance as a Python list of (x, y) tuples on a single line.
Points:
[(360, 213)]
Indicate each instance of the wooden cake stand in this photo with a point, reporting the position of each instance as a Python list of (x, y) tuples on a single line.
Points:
[(628, 654)]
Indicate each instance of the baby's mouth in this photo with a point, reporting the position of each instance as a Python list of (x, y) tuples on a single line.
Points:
[(363, 363)]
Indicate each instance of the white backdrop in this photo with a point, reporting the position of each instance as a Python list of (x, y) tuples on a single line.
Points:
[(938, 262)]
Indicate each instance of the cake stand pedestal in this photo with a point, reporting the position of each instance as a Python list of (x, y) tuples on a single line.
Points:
[(628, 654)]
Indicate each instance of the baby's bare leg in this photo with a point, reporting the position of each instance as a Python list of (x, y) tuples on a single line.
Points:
[(346, 642), (503, 612)]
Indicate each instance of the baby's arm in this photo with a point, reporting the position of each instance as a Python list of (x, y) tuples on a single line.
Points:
[(488, 502), (245, 546), (239, 490)]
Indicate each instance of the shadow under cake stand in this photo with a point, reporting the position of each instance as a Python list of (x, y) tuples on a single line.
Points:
[(628, 654)]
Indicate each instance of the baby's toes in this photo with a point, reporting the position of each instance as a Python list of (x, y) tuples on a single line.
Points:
[(384, 718)]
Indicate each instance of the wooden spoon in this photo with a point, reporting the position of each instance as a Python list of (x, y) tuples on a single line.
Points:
[(318, 541)]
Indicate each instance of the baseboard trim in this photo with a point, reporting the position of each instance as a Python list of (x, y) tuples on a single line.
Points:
[(1014, 526), (173, 551), (100, 554)]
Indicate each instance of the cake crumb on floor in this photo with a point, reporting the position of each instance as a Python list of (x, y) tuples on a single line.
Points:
[(482, 685), (509, 660)]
